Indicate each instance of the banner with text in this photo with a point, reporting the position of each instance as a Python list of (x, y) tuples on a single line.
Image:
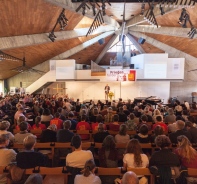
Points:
[(120, 75)]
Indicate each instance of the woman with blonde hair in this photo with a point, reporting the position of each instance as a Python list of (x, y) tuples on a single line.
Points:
[(133, 156), (88, 175), (185, 152), (155, 114)]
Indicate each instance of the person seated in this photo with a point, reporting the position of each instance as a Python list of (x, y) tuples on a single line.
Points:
[(122, 115), (49, 135), (7, 155), (88, 175), (57, 121), (115, 126), (19, 137), (143, 120), (83, 125), (178, 108), (21, 119), (65, 135), (46, 116), (122, 136), (157, 131), (192, 130), (133, 156), (73, 121), (125, 110), (20, 112), (131, 122), (38, 125), (108, 157), (159, 121), (170, 117), (101, 134), (164, 159), (29, 158), (108, 118), (99, 119), (180, 131), (187, 155), (148, 114), (4, 126), (94, 115), (130, 178), (143, 136), (78, 157), (104, 111), (155, 114)]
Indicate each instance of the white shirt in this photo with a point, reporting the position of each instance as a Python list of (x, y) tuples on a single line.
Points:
[(122, 138), (78, 158), (91, 179), (129, 160)]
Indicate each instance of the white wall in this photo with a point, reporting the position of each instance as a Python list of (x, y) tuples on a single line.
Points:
[(126, 90)]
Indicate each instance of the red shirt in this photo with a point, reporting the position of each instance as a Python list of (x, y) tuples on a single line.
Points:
[(41, 127), (114, 127), (83, 126), (95, 126), (28, 127), (58, 122), (163, 125)]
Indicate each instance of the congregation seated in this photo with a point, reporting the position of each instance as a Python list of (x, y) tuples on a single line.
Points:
[(192, 131), (143, 120), (4, 126), (57, 121), (7, 155), (78, 157), (46, 116), (170, 117), (73, 121), (83, 125), (21, 119), (157, 131), (101, 134), (108, 118), (164, 159), (143, 136), (155, 114), (122, 115), (38, 125), (180, 131), (99, 119), (94, 115), (115, 124), (88, 175), (19, 137), (159, 121), (130, 178), (122, 136), (131, 122), (125, 110), (29, 158), (49, 135)]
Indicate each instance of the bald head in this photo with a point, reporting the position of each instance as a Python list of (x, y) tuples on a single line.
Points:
[(130, 178)]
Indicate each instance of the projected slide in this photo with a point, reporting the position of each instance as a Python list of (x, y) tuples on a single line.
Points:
[(155, 71)]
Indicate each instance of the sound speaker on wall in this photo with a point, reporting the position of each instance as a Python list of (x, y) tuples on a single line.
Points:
[(101, 41), (141, 40)]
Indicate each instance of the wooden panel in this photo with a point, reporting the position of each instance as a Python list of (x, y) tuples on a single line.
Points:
[(183, 44), (37, 54), (117, 10), (106, 58), (21, 17), (91, 53)]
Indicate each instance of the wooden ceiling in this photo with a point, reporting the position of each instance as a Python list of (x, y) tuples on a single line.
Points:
[(27, 17)]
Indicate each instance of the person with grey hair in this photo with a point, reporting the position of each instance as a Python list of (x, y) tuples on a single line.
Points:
[(4, 126), (170, 118), (7, 155), (130, 178), (180, 125), (29, 158), (49, 135)]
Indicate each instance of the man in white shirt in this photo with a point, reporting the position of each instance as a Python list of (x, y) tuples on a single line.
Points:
[(78, 157)]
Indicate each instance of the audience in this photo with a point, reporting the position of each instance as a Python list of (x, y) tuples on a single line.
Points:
[(101, 134), (29, 158), (143, 136), (131, 122), (7, 155), (170, 118), (88, 175), (159, 121), (4, 126), (57, 121), (115, 125), (180, 131), (78, 157), (122, 136), (130, 178), (49, 135)]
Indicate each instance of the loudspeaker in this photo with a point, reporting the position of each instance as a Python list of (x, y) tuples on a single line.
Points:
[(101, 41), (131, 66), (141, 40)]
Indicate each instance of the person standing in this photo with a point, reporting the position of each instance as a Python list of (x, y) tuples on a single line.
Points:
[(107, 88)]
